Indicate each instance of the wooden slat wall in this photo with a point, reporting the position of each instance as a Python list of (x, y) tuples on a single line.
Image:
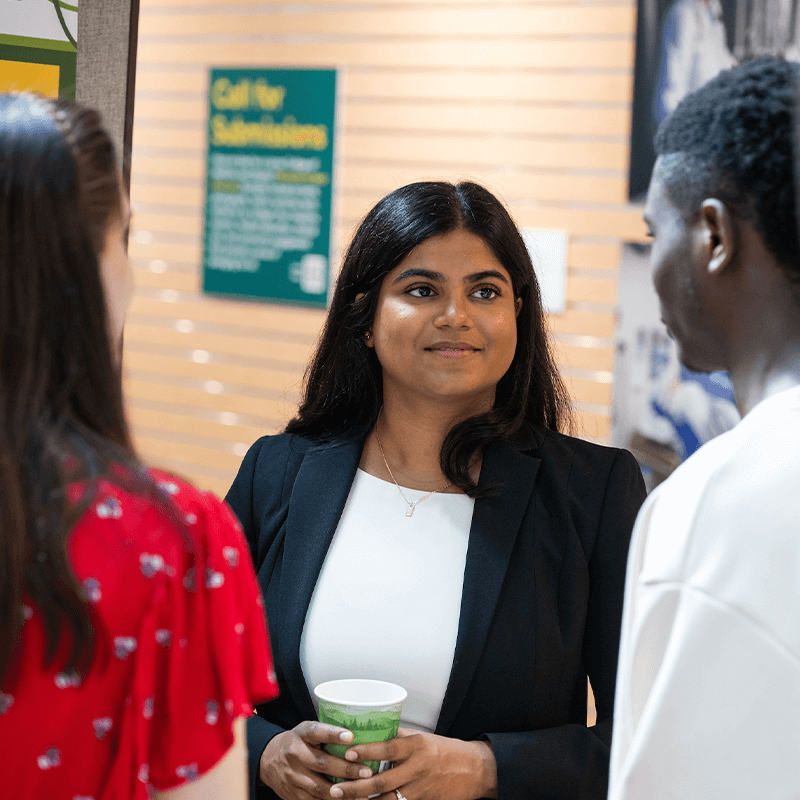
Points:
[(531, 99)]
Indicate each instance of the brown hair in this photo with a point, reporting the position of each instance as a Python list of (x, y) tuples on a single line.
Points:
[(61, 408)]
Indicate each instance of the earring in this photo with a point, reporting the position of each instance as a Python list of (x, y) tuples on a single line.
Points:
[(367, 336)]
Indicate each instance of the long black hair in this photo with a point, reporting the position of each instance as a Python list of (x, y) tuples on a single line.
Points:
[(343, 390), (61, 406)]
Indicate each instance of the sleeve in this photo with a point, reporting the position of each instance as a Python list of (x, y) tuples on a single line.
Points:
[(211, 649), (260, 733), (256, 495), (571, 761), (714, 701), (240, 498), (265, 457), (709, 675), (625, 493)]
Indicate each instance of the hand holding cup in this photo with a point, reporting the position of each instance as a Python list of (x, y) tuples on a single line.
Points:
[(370, 709), (295, 765)]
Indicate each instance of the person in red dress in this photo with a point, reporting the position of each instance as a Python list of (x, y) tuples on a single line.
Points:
[(132, 636)]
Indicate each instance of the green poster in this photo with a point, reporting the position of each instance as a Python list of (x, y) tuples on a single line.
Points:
[(268, 185), (38, 49)]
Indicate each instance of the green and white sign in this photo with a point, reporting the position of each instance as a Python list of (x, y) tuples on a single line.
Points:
[(38, 49), (268, 185)]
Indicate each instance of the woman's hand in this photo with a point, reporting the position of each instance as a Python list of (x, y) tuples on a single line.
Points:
[(295, 766), (425, 767)]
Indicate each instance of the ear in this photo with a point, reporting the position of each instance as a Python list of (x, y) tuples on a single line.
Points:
[(368, 335), (517, 306), (719, 232)]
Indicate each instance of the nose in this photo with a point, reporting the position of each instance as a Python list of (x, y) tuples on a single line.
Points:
[(454, 312)]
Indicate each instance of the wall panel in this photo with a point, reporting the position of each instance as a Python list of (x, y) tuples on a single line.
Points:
[(532, 99), (430, 52), (402, 20), (440, 84)]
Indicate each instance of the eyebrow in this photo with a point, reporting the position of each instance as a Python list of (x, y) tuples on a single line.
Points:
[(441, 278)]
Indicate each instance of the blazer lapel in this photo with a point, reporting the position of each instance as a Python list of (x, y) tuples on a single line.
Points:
[(495, 524), (318, 498)]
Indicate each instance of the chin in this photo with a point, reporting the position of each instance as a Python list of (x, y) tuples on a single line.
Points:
[(692, 367), (695, 364), (692, 357)]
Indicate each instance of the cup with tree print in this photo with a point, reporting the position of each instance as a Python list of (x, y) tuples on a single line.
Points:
[(370, 709)]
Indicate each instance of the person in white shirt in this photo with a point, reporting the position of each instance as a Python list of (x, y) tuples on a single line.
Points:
[(708, 683)]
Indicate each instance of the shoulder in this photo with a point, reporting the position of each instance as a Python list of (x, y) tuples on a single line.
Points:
[(145, 504), (277, 446), (600, 488), (161, 514), (261, 492), (580, 460), (740, 490), (149, 530), (725, 524), (761, 462), (186, 515), (749, 469), (749, 486), (272, 457), (186, 498), (276, 450)]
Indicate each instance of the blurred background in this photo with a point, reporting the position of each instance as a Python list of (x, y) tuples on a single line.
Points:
[(551, 104), (531, 99)]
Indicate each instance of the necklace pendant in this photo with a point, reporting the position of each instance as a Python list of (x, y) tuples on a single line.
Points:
[(411, 507)]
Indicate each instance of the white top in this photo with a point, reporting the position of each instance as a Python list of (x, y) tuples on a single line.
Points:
[(708, 686), (388, 598)]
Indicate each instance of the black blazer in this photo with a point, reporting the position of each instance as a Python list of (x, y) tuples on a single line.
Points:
[(541, 605)]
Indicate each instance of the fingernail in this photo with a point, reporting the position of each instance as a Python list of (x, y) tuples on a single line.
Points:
[(365, 773), (351, 755), (345, 736), (336, 792)]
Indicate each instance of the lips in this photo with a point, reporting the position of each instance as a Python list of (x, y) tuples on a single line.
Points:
[(452, 347)]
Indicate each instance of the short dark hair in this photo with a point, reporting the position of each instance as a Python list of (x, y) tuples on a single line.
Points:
[(733, 139), (343, 390)]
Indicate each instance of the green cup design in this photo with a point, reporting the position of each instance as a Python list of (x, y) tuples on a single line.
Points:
[(370, 709)]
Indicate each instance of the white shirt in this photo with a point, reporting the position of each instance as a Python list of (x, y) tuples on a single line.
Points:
[(708, 685), (388, 598)]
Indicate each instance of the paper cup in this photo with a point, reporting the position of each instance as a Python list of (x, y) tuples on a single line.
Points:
[(370, 709)]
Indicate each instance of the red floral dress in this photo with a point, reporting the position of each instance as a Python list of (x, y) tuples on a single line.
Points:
[(182, 650)]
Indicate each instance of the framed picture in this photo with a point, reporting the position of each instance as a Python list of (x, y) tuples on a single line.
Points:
[(38, 46), (681, 44)]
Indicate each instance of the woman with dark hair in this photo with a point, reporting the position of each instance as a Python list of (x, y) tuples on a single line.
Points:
[(423, 521), (125, 594)]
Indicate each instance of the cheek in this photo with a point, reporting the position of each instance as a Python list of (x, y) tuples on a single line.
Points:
[(505, 341), (505, 326), (117, 283), (392, 317), (404, 312), (664, 273)]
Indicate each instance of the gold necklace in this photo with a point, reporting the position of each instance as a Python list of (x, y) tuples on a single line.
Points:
[(411, 505)]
